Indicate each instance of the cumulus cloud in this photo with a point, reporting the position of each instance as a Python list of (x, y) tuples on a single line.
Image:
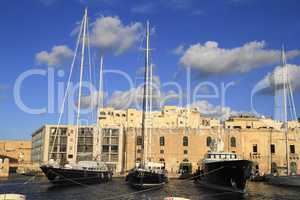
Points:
[(133, 97), (179, 50), (111, 35), (92, 101), (211, 59), (55, 57), (209, 110), (274, 81)]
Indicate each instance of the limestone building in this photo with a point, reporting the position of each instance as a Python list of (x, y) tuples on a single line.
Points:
[(16, 150), (88, 144), (180, 138)]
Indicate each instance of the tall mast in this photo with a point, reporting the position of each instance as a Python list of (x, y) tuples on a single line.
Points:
[(100, 98), (285, 118), (68, 86), (80, 79), (145, 99), (150, 111), (100, 104)]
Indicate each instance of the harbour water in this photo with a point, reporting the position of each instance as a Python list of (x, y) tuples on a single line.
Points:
[(40, 189)]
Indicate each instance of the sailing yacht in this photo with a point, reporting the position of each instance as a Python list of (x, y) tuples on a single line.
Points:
[(223, 170), (147, 173), (288, 179), (82, 172)]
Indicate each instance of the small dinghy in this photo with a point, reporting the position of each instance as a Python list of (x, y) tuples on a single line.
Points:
[(12, 197)]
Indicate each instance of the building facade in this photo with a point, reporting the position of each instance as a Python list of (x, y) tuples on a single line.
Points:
[(47, 143), (16, 150), (179, 138)]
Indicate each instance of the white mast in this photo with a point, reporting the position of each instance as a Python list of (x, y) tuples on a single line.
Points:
[(80, 79), (285, 117), (145, 101), (150, 111), (100, 104), (68, 86)]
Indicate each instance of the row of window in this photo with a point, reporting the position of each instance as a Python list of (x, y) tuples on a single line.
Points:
[(272, 148), (185, 141)]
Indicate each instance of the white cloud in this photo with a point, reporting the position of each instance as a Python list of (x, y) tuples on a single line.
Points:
[(134, 96), (211, 59), (111, 35), (179, 50), (209, 110), (274, 80), (55, 57), (92, 100)]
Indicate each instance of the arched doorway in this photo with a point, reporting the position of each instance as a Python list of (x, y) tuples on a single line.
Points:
[(293, 167), (185, 169), (255, 168), (274, 169)]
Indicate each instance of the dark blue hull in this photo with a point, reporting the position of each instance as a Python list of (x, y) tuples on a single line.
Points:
[(226, 175), (145, 179), (74, 176)]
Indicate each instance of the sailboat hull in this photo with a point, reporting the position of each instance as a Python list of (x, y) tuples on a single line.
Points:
[(73, 176), (142, 179), (226, 175)]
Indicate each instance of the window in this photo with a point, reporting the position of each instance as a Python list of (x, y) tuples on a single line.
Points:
[(185, 152), (162, 141), (162, 151), (114, 149), (292, 148), (105, 148), (139, 140), (272, 148), (208, 141), (254, 148), (185, 141), (232, 142)]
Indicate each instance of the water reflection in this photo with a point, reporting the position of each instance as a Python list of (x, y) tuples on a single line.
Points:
[(117, 189)]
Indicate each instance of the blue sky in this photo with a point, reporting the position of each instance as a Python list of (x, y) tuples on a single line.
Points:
[(235, 28)]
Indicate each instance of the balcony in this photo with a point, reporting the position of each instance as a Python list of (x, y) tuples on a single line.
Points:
[(255, 155), (294, 156)]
